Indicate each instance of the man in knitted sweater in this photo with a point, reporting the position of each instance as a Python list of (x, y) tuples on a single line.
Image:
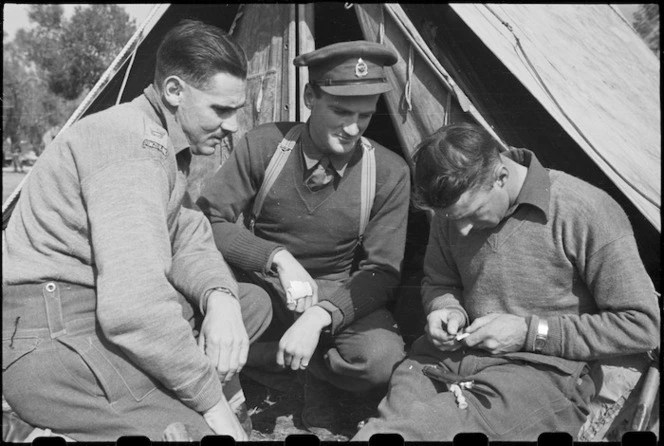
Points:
[(306, 235), (541, 274), (104, 268)]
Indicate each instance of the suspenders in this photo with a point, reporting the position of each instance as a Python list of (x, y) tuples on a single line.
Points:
[(368, 184)]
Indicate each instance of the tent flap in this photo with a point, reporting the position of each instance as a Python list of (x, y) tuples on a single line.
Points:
[(592, 73)]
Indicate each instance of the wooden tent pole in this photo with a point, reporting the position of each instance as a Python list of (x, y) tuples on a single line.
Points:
[(305, 45)]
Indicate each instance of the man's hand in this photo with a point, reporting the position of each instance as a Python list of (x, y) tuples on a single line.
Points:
[(442, 327), (290, 270), (223, 336), (497, 333), (223, 421), (299, 342)]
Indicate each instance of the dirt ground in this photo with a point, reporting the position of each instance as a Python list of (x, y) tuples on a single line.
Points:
[(275, 405)]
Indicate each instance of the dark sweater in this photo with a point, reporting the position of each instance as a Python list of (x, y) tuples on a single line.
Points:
[(320, 229), (567, 254)]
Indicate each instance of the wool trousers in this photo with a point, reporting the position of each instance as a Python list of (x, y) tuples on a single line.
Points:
[(360, 358), (519, 400), (60, 373)]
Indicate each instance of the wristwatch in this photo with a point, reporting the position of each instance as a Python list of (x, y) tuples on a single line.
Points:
[(219, 288), (541, 336)]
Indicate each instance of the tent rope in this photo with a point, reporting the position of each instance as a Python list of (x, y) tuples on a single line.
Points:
[(381, 27), (406, 103), (240, 13), (448, 110), (126, 76), (560, 108)]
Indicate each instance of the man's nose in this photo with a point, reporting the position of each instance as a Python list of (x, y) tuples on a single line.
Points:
[(230, 124), (352, 129)]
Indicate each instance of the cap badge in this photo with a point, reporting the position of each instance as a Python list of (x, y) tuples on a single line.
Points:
[(361, 69)]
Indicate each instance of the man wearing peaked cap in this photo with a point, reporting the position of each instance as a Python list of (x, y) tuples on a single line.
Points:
[(301, 244)]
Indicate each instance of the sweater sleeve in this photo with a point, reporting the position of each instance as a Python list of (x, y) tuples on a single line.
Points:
[(602, 246), (441, 285), (228, 194), (384, 241), (137, 307), (197, 266)]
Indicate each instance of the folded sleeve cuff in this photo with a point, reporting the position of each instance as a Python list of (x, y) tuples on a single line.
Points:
[(202, 394), (532, 322), (335, 313), (250, 252)]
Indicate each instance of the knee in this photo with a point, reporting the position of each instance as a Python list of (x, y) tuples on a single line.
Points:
[(378, 361), (256, 309), (383, 361)]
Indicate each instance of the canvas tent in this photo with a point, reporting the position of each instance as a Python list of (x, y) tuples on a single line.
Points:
[(573, 83)]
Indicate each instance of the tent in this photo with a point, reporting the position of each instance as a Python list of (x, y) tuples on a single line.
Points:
[(573, 83)]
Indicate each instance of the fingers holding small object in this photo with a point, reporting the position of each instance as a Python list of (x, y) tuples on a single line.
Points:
[(461, 335)]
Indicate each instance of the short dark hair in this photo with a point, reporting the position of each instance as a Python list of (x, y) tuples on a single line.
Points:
[(456, 158), (196, 51)]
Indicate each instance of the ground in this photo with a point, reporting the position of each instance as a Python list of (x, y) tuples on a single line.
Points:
[(276, 409)]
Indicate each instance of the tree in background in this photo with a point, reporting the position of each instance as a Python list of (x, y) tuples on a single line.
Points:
[(49, 68), (73, 54), (646, 23)]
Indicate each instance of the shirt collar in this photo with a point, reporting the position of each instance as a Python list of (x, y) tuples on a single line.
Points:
[(339, 163), (167, 118), (536, 189)]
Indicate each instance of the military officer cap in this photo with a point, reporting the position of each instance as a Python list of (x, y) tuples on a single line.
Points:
[(349, 68)]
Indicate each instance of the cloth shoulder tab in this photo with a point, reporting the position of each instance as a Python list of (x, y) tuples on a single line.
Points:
[(155, 138)]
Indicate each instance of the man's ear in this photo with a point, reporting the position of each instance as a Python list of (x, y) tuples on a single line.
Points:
[(502, 174), (173, 89), (308, 96)]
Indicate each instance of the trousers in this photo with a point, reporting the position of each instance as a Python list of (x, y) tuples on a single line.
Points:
[(520, 400), (60, 373), (360, 358)]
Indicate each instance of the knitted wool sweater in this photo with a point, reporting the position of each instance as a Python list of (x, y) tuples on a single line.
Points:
[(567, 254), (320, 229), (102, 208)]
